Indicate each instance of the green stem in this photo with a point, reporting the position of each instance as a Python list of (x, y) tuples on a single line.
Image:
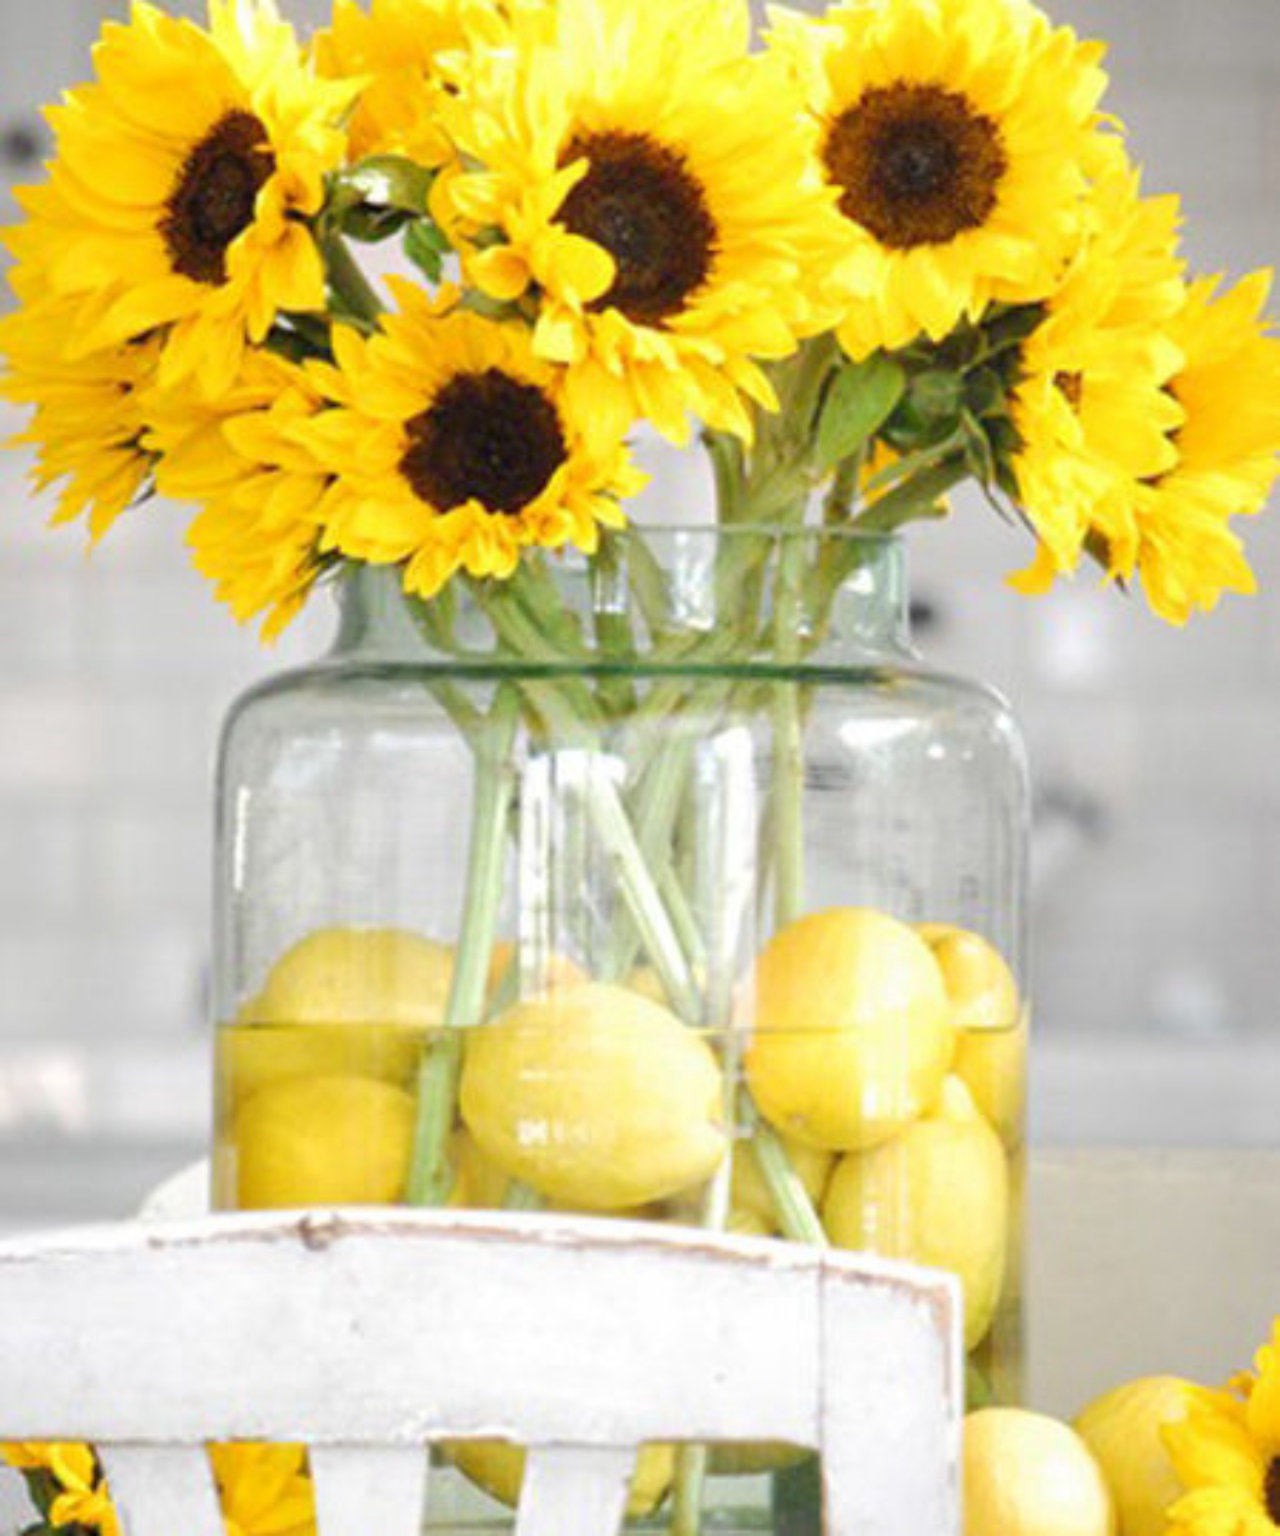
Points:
[(788, 737), (431, 1176), (843, 492), (795, 1210), (917, 498), (687, 1495), (350, 287)]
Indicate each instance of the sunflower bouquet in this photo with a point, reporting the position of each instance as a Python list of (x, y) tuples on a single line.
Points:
[(393, 305)]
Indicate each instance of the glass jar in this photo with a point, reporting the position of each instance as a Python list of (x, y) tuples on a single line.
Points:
[(669, 885)]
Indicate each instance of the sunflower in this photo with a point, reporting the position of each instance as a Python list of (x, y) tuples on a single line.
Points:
[(955, 133), (1227, 1455), (1092, 410), (655, 190), (77, 1494), (183, 180), (451, 446), (87, 419), (257, 534), (265, 1490), (395, 48), (1228, 388)]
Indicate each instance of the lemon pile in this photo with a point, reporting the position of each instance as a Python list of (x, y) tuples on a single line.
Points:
[(897, 1053)]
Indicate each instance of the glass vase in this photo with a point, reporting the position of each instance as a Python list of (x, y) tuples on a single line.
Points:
[(669, 885)]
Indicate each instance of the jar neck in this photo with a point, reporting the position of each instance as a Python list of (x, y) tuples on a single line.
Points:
[(845, 598)]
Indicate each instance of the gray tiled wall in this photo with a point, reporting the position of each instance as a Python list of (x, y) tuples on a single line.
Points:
[(1156, 751)]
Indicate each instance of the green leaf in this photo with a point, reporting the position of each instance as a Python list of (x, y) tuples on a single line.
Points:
[(860, 401), (384, 181), (977, 450), (937, 395), (425, 245)]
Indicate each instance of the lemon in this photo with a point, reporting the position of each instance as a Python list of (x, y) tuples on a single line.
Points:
[(498, 1467), (359, 976), (745, 1222), (937, 1194), (255, 1056), (751, 1193), (1029, 1475), (559, 971), (344, 1000), (596, 1097), (852, 1035), (749, 1460), (478, 1183), (1122, 1429), (323, 1141), (991, 1049)]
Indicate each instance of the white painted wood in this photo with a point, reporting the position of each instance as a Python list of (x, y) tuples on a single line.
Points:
[(360, 1489), (574, 1490), (892, 1400), (184, 1194), (159, 1490), (358, 1328)]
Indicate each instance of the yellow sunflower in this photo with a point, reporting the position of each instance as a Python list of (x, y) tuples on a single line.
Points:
[(81, 1498), (394, 48), (257, 534), (453, 447), (87, 420), (1228, 388), (655, 190), (183, 179), (1227, 1455), (1093, 410), (265, 1490), (956, 134)]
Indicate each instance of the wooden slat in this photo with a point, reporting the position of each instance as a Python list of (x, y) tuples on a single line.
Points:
[(158, 1491), (480, 1325), (892, 1378), (572, 1490), (360, 1489)]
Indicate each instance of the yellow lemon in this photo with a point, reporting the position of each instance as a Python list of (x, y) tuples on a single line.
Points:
[(560, 971), (359, 976), (745, 1222), (991, 1049), (751, 1193), (596, 1097), (478, 1183), (937, 1194), (852, 1035), (323, 1141), (748, 1460), (1122, 1429), (980, 986), (251, 1057), (497, 1466), (1029, 1475), (375, 992)]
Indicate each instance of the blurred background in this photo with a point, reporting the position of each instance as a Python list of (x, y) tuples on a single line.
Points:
[(1156, 753)]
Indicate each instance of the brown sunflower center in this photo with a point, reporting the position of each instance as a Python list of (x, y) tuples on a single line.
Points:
[(641, 203), (1271, 1490), (1071, 387), (917, 163), (487, 437), (215, 196)]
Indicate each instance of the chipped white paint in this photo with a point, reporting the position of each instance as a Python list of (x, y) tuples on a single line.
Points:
[(581, 1339)]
